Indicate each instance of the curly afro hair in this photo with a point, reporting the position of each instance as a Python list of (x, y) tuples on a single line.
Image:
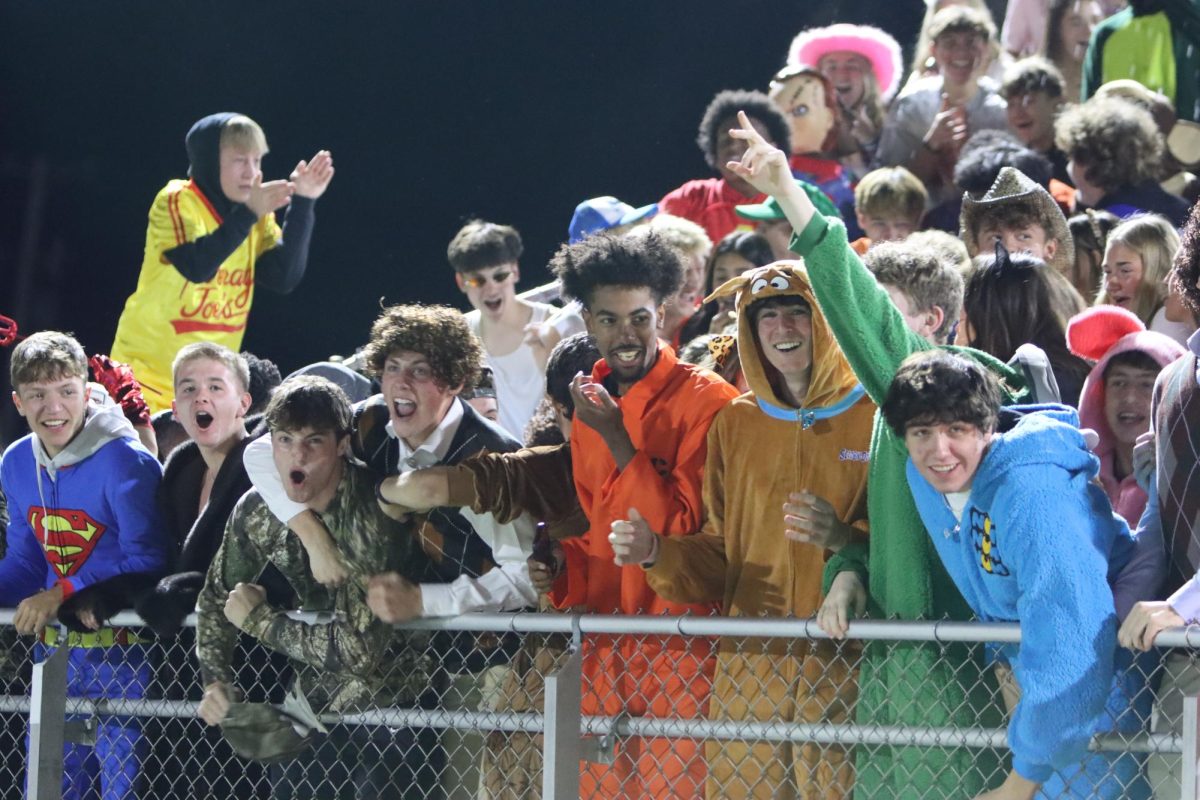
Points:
[(439, 333), (1114, 141), (605, 259), (758, 107), (1186, 270)]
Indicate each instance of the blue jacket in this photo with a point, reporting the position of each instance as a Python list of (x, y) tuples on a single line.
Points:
[(1034, 546), (92, 506)]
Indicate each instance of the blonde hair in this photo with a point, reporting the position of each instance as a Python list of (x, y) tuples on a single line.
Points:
[(872, 99), (1155, 241), (212, 351), (891, 192), (682, 234), (242, 133)]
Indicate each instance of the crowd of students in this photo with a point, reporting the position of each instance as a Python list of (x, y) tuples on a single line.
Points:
[(846, 376)]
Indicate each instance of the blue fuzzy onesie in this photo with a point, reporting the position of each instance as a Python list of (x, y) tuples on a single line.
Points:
[(1036, 544)]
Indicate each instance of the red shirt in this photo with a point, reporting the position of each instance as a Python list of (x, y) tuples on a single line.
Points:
[(709, 203)]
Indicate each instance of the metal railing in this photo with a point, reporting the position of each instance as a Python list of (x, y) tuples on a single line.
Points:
[(466, 736)]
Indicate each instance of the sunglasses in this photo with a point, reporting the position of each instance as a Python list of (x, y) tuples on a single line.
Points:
[(479, 281)]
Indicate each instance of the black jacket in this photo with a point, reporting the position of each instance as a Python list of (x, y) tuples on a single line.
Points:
[(196, 536)]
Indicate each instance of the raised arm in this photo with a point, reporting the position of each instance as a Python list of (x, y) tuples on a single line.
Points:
[(198, 256), (281, 268), (869, 329), (765, 167)]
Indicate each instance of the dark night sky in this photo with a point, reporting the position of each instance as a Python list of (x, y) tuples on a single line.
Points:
[(435, 111)]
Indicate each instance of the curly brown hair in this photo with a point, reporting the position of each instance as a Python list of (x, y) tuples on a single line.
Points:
[(439, 333), (1114, 141)]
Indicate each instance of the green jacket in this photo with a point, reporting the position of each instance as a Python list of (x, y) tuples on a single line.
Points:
[(900, 683), (1125, 44), (906, 577), (351, 662)]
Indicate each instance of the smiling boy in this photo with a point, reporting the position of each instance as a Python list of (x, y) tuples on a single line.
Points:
[(80, 491), (806, 408), (639, 439), (982, 495), (210, 240)]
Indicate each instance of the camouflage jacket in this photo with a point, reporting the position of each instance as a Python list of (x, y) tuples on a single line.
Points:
[(352, 662)]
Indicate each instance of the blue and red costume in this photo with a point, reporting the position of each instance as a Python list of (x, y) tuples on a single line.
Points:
[(84, 520)]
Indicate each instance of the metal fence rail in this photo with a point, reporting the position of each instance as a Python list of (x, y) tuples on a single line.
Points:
[(520, 706)]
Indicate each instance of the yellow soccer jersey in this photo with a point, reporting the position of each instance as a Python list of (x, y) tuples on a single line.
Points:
[(167, 311)]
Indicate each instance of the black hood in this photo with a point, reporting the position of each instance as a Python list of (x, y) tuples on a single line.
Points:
[(203, 144)]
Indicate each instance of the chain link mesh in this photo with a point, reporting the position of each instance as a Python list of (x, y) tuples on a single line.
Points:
[(669, 716)]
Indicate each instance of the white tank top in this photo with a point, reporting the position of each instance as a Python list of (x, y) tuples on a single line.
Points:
[(520, 382)]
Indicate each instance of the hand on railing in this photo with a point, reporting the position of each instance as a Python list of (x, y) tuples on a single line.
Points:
[(1145, 622), (36, 611), (215, 705), (847, 599), (1014, 788)]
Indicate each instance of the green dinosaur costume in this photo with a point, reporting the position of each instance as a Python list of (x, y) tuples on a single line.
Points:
[(910, 684)]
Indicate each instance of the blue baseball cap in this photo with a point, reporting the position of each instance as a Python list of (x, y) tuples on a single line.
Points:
[(602, 213)]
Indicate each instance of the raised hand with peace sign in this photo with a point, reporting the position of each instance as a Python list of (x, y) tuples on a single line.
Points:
[(765, 167)]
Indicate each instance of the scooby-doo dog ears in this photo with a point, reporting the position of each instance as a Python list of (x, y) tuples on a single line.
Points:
[(780, 278)]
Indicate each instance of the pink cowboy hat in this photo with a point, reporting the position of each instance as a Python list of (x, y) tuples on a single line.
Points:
[(877, 47)]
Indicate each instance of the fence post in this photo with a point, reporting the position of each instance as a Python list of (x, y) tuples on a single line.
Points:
[(47, 726), (561, 736), (1190, 745)]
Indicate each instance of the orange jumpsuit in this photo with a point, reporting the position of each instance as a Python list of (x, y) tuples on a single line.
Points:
[(667, 414)]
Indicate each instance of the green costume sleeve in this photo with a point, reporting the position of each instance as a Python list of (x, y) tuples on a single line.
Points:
[(872, 334), (868, 327), (1093, 60), (851, 558)]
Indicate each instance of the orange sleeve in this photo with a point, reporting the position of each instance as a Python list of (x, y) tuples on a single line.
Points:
[(672, 504)]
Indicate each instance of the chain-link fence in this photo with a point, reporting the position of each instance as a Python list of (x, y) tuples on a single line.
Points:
[(557, 706)]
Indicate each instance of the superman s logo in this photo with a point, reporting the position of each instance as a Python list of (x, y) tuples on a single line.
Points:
[(68, 536)]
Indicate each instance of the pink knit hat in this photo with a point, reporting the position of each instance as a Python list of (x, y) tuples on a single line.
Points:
[(877, 47)]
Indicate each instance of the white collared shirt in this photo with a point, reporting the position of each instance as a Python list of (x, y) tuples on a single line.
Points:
[(436, 445)]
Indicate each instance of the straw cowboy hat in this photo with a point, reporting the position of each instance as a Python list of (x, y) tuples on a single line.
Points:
[(1013, 187)]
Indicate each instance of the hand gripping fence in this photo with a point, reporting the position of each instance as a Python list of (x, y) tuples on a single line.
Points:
[(545, 705)]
